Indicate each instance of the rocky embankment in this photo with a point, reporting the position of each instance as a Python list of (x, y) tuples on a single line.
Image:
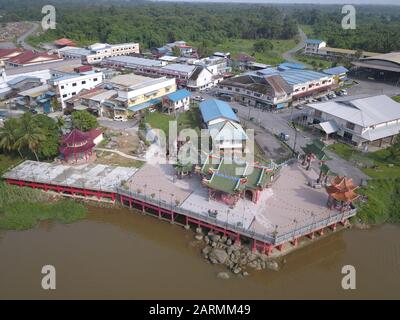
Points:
[(239, 259)]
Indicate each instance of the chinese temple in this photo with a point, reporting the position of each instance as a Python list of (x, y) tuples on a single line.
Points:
[(341, 193), (77, 146), (229, 181)]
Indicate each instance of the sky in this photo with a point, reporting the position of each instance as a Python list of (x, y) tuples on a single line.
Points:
[(380, 2)]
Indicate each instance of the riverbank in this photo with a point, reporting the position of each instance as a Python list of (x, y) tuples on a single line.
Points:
[(23, 208)]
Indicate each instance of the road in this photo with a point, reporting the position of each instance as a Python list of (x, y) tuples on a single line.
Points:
[(288, 56), (22, 38)]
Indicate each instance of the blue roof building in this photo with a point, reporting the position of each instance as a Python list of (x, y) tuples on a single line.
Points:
[(179, 95), (336, 71), (217, 109), (314, 41), (290, 65)]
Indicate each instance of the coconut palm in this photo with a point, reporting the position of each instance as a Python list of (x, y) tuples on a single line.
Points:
[(9, 135), (30, 135)]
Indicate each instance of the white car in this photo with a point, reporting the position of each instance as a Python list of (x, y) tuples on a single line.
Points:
[(198, 98), (120, 118)]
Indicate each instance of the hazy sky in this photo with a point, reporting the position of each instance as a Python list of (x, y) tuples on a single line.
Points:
[(377, 2)]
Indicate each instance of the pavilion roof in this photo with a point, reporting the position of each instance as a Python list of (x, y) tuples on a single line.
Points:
[(342, 189), (75, 136)]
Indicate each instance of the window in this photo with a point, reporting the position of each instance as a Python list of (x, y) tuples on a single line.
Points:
[(74, 84), (73, 93), (64, 96), (95, 79), (237, 90), (62, 87), (350, 125), (84, 82)]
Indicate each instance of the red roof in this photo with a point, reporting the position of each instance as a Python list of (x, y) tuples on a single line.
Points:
[(74, 137), (64, 42), (77, 141), (93, 134), (6, 53), (27, 57)]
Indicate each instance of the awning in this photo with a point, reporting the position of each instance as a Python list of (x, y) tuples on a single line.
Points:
[(144, 105), (328, 126)]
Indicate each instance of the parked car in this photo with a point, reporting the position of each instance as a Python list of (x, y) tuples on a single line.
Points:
[(299, 107), (120, 118), (324, 99), (33, 111), (198, 98), (342, 92), (284, 136), (235, 110)]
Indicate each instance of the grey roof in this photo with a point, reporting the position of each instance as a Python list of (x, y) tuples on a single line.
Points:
[(128, 60), (364, 112), (185, 68)]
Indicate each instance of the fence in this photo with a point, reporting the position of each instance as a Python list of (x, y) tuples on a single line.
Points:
[(271, 238)]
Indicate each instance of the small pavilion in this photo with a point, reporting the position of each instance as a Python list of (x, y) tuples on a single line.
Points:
[(76, 146), (341, 193)]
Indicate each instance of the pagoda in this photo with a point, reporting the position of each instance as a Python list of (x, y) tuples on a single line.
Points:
[(341, 193), (76, 146)]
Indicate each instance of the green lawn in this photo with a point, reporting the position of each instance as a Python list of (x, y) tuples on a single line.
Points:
[(396, 98), (319, 63), (245, 46), (158, 120), (375, 164)]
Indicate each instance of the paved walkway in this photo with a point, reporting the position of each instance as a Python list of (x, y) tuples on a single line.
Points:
[(120, 153), (22, 38)]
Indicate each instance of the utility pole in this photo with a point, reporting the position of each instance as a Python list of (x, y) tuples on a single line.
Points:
[(295, 138)]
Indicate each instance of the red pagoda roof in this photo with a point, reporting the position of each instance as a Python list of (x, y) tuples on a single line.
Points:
[(74, 137), (342, 189)]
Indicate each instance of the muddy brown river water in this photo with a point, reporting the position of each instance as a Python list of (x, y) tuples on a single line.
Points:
[(116, 254)]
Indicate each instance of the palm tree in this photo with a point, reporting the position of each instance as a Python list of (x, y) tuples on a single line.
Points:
[(9, 135), (30, 135)]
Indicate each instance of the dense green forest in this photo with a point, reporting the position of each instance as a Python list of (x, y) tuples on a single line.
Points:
[(155, 23), (377, 27)]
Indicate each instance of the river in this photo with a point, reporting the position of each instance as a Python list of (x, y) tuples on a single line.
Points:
[(119, 254)]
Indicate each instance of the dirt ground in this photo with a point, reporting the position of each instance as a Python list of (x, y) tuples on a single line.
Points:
[(13, 30)]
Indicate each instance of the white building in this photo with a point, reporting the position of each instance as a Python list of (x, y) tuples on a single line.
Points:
[(258, 91), (97, 52), (223, 125), (362, 122), (313, 46), (69, 85)]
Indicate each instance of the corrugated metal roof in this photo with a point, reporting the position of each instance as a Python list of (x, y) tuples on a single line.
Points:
[(179, 95), (364, 112), (214, 109), (336, 70)]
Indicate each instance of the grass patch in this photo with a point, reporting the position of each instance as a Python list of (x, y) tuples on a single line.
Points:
[(396, 98), (237, 46), (24, 208), (318, 63), (374, 164), (383, 202), (7, 161), (158, 120)]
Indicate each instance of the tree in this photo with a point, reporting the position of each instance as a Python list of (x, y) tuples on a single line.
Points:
[(9, 135), (49, 147), (83, 120), (31, 136), (262, 46), (176, 51)]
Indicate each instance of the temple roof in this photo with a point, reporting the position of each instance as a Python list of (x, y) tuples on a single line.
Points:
[(75, 136), (342, 189)]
